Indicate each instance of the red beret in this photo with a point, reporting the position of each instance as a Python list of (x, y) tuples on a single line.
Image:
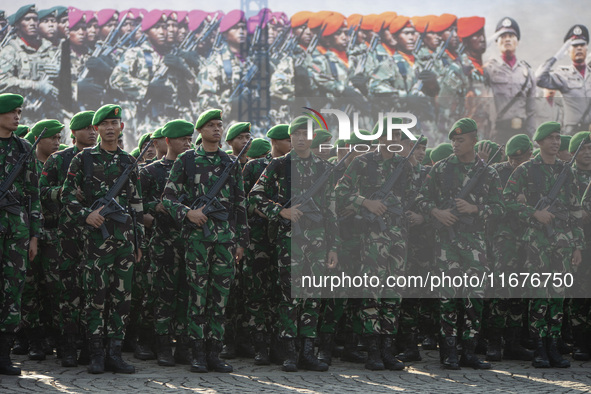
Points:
[(469, 26), (442, 22), (399, 23), (152, 18), (383, 21), (300, 18), (421, 22), (133, 13), (231, 19), (90, 15), (74, 16), (354, 19), (279, 18), (317, 19), (196, 18), (333, 23), (104, 16), (368, 21), (182, 16)]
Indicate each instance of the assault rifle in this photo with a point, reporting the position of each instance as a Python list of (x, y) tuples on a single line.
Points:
[(421, 40), (353, 32), (373, 44), (436, 56), (8, 202), (209, 202), (111, 208), (244, 81)]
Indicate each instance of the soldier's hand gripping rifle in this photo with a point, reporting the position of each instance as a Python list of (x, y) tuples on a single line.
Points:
[(429, 66), (209, 28), (306, 202), (244, 81), (373, 44), (463, 194), (209, 202), (550, 200), (385, 196), (111, 208), (8, 202)]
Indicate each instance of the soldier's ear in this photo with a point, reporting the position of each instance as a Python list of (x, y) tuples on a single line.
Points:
[(122, 126)]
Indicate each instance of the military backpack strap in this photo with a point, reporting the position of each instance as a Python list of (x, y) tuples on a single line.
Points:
[(149, 62), (190, 168), (87, 169), (67, 156), (227, 64)]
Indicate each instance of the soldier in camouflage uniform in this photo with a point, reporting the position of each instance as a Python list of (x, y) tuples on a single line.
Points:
[(466, 253), (209, 257), (79, 54), (166, 249), (313, 250), (70, 245), (19, 231), (526, 186), (108, 271)]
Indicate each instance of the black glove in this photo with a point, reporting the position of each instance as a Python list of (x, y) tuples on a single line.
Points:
[(354, 97), (302, 81), (159, 91), (177, 65), (100, 67), (430, 85), (87, 88), (191, 58), (360, 82)]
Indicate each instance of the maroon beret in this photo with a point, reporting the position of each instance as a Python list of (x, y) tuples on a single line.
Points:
[(151, 18), (231, 19), (104, 16)]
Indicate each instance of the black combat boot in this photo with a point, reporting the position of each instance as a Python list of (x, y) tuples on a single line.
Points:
[(374, 360), (213, 357), (97, 354), (495, 345), (308, 360), (449, 353), (84, 356), (261, 356), (430, 342), (143, 348), (182, 351), (114, 362), (390, 361), (411, 349), (36, 351), (21, 344), (290, 363), (513, 348), (68, 350), (325, 348), (198, 362), (165, 358), (554, 356), (276, 350), (6, 366), (351, 352), (540, 354), (469, 358), (580, 345)]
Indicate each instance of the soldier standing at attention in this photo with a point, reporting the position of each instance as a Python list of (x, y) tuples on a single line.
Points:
[(237, 137), (557, 253), (210, 259), (512, 84), (572, 81), (108, 271), (19, 233)]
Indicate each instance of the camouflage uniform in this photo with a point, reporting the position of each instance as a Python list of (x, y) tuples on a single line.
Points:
[(534, 179), (108, 271), (209, 259)]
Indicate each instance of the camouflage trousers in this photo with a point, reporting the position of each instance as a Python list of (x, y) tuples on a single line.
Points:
[(107, 277), (429, 316), (142, 296), (383, 254), (170, 288), (506, 312), (210, 271), (13, 258), (70, 294), (580, 308)]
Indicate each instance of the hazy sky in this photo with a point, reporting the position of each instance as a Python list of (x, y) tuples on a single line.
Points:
[(543, 23)]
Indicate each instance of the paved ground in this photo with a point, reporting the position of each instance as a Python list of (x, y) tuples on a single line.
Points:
[(425, 376)]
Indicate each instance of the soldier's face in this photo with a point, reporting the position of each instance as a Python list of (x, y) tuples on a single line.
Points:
[(363, 36), (212, 131), (551, 144), (237, 34), (172, 28), (48, 146), (10, 120), (128, 26), (432, 41), (340, 40), (239, 142), (281, 146), (477, 42), (578, 53), (300, 141), (419, 153), (517, 160), (108, 27), (63, 27), (464, 143), (304, 35), (584, 156), (150, 153), (393, 140), (182, 32), (157, 34), (28, 26), (78, 34), (406, 39), (454, 41), (176, 146), (86, 137), (91, 31), (272, 32), (388, 38), (507, 43), (109, 130), (48, 27)]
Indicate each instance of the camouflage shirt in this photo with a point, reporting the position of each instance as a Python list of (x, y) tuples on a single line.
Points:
[(251, 174)]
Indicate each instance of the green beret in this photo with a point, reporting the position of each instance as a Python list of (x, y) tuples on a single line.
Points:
[(53, 127), (427, 160), (258, 147), (135, 153), (63, 146), (212, 114), (536, 152), (518, 144), (463, 126), (198, 139), (564, 142), (279, 132), (354, 140), (10, 101), (176, 129), (301, 122), (236, 129), (22, 130), (576, 140), (61, 10), (441, 151), (45, 13), (384, 124), (143, 139), (30, 137), (81, 120), (545, 129), (24, 10), (320, 137), (340, 143), (158, 133), (108, 111), (423, 141), (494, 147)]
